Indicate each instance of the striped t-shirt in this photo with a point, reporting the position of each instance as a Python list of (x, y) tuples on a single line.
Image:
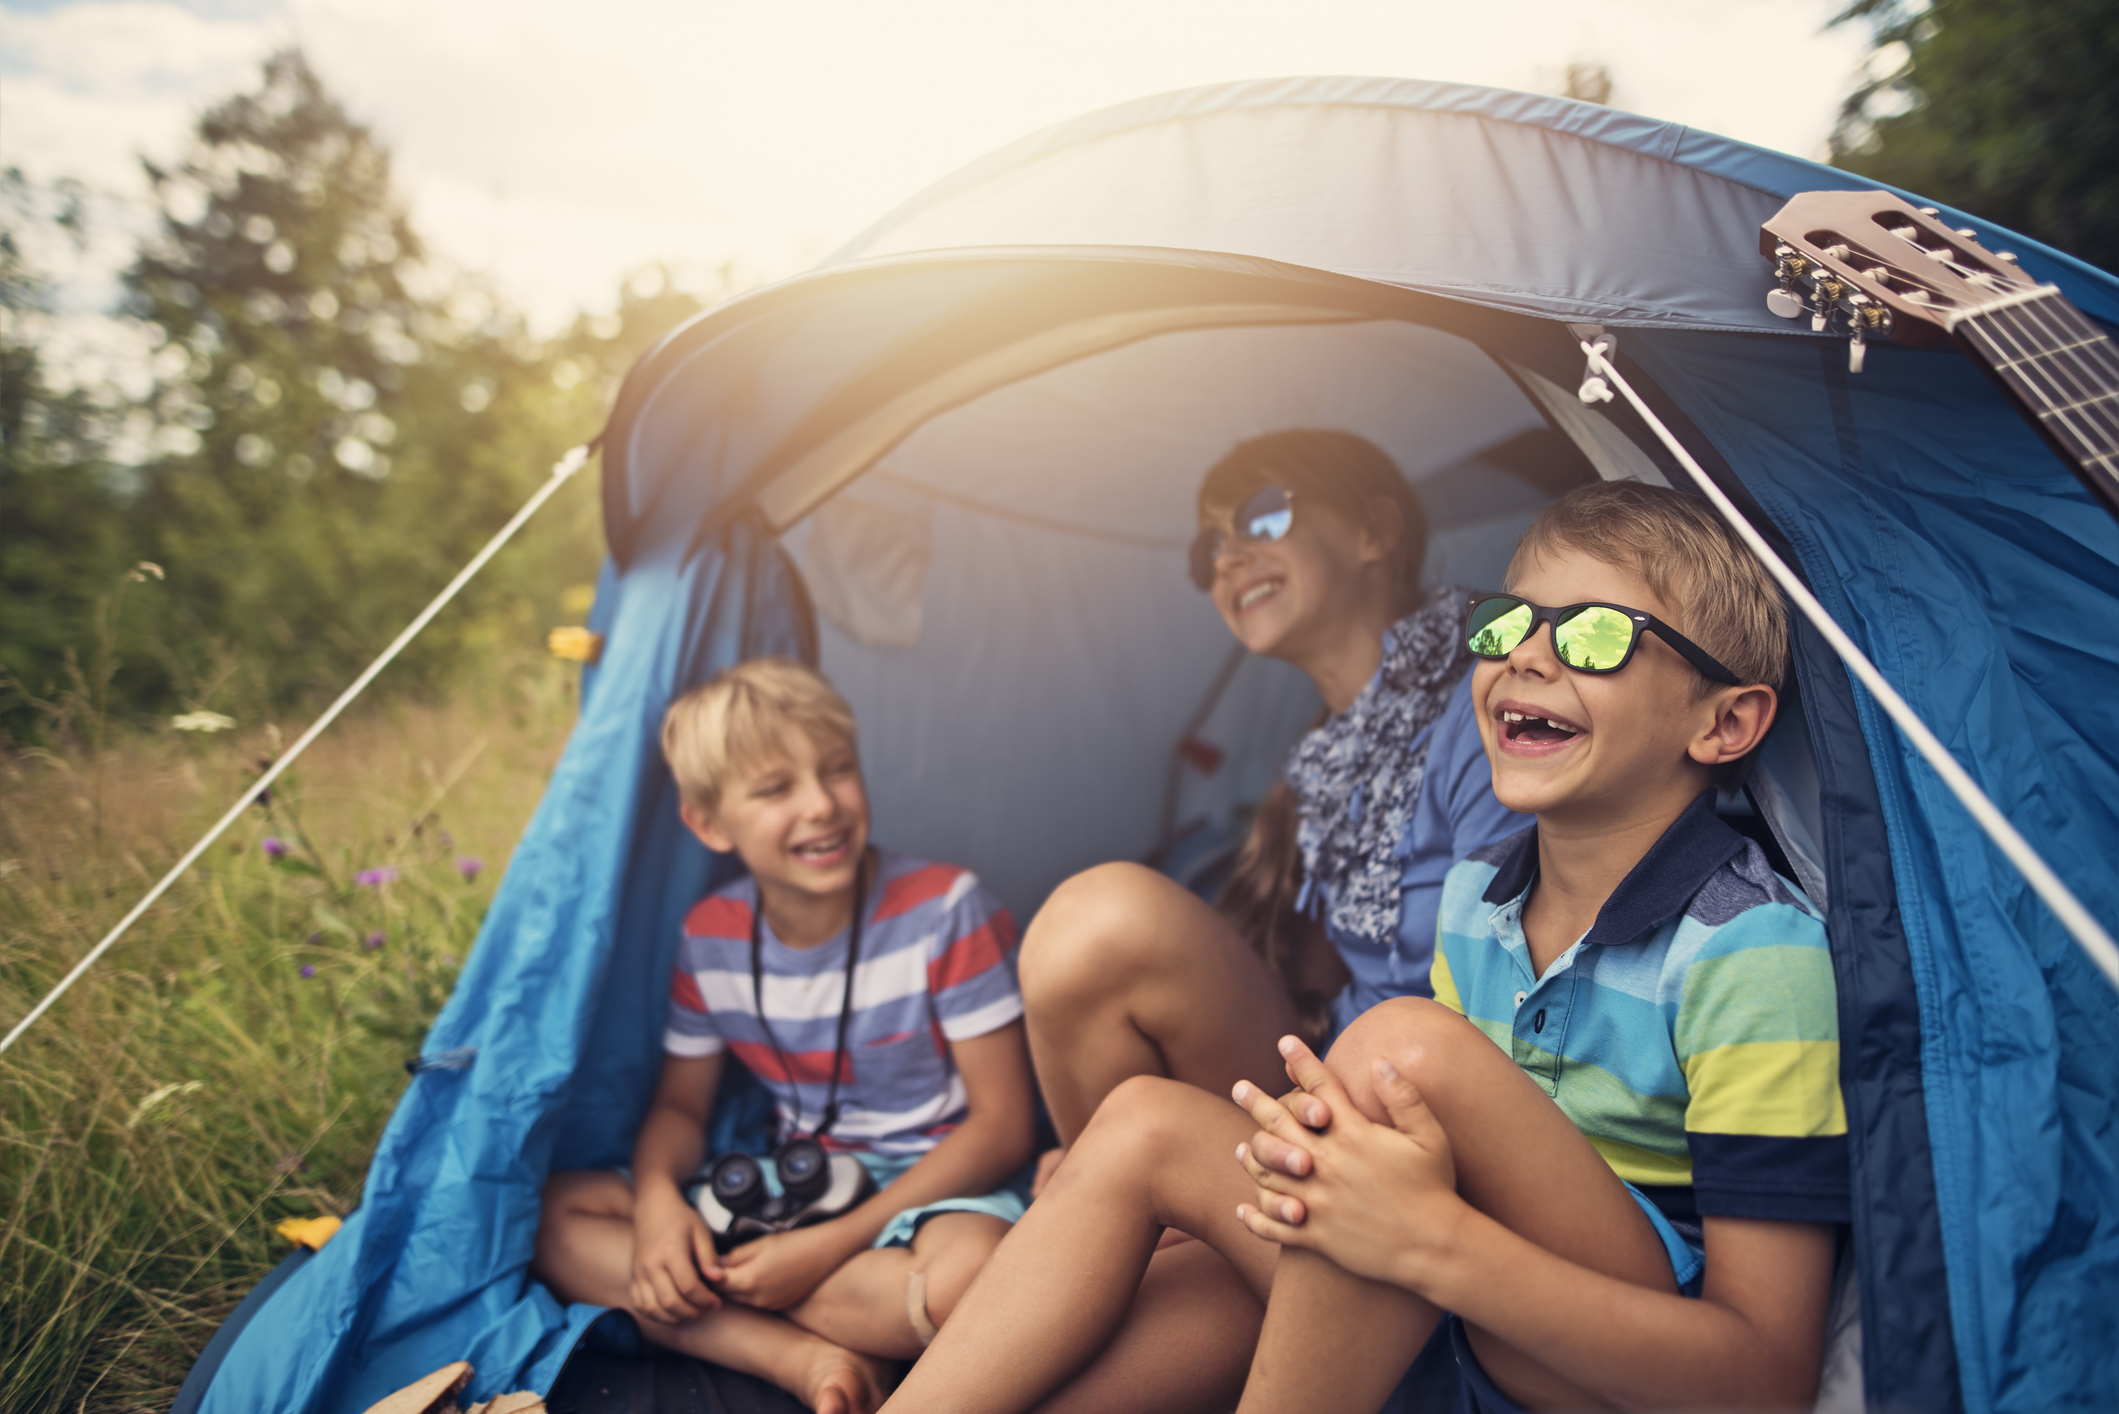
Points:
[(937, 965), (1692, 1034)]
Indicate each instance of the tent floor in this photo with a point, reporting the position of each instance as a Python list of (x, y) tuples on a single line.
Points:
[(595, 1383)]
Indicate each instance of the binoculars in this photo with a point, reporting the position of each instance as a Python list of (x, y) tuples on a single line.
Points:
[(815, 1185)]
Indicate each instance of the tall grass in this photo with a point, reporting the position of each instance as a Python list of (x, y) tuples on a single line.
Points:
[(230, 1064)]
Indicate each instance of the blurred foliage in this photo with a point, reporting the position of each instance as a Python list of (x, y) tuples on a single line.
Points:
[(2005, 108), (336, 424), (61, 547)]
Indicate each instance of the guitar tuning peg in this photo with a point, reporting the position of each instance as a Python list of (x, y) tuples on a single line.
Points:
[(1929, 211), (1819, 318), (1856, 352), (2007, 255), (1969, 234), (1785, 303)]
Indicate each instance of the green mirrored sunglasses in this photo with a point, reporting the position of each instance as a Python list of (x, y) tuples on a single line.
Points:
[(1590, 638)]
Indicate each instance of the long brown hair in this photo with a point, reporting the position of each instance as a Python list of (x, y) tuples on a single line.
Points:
[(1349, 474), (1259, 901)]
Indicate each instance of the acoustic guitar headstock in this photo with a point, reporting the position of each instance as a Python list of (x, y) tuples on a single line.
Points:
[(1877, 266)]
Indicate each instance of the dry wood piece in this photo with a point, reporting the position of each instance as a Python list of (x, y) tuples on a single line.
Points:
[(523, 1401), (436, 1394)]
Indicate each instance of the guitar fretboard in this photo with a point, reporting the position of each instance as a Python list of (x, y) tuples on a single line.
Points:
[(2064, 370)]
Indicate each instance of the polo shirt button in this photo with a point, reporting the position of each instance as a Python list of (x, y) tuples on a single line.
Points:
[(1520, 996), (1537, 1023)]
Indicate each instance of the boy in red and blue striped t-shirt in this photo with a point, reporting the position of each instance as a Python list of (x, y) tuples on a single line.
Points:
[(874, 995)]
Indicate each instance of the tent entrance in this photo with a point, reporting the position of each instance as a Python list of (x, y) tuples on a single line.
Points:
[(1003, 596)]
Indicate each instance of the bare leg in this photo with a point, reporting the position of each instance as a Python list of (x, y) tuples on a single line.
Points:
[(1053, 1296), (1337, 1341), (1126, 973), (863, 1306), (1184, 1347), (585, 1253)]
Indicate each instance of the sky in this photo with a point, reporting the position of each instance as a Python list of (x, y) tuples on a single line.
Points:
[(557, 146)]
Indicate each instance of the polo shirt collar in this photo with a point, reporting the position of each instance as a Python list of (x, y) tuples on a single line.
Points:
[(1676, 867)]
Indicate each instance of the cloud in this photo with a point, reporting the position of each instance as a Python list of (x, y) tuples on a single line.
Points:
[(89, 87)]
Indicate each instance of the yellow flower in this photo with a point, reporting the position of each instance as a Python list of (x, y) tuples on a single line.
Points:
[(312, 1233), (576, 645)]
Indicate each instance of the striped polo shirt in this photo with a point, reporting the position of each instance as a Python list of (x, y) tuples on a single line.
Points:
[(1692, 1034), (937, 965)]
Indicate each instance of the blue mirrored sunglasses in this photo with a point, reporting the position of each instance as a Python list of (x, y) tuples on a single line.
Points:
[(1266, 514)]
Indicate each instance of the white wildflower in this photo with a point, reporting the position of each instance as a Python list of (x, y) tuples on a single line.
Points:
[(201, 722)]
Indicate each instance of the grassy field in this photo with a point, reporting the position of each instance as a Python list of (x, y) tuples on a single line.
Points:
[(231, 1063)]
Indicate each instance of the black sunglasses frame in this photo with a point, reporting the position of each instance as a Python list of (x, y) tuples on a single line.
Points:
[(1206, 546), (1708, 666)]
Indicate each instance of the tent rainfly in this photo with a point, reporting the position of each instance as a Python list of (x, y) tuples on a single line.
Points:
[(955, 463)]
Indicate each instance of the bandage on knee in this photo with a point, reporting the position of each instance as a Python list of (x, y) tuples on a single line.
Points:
[(916, 1309)]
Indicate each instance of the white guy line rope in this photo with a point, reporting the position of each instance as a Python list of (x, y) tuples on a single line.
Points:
[(566, 467), (2073, 916)]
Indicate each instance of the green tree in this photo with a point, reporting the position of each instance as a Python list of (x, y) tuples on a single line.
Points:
[(341, 421), (2006, 108), (62, 550)]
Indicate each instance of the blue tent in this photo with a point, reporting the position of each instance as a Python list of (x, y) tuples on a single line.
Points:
[(955, 462)]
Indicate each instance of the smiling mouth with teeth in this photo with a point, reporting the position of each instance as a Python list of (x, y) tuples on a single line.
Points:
[(818, 848), (1257, 592), (1521, 726)]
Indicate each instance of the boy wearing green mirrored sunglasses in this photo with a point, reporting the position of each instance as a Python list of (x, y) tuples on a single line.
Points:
[(1606, 1165)]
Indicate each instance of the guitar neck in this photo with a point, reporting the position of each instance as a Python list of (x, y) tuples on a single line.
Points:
[(2062, 371)]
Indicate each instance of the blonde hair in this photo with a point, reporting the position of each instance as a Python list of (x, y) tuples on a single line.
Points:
[(739, 718), (1723, 597)]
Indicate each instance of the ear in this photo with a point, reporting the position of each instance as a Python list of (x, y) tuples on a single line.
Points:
[(1385, 528), (1741, 718), (702, 824)]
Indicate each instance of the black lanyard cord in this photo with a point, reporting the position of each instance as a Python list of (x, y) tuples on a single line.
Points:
[(757, 989)]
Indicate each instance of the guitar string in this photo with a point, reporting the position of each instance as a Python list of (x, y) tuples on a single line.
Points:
[(2035, 321), (2033, 369), (2085, 420), (2049, 318), (2029, 390), (2046, 321), (2087, 432), (2074, 337), (2089, 347), (2069, 326), (2038, 344)]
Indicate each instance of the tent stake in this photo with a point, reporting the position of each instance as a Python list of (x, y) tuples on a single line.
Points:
[(2079, 922), (566, 467)]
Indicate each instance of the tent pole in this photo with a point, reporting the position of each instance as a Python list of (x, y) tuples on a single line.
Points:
[(2079, 922), (566, 467)]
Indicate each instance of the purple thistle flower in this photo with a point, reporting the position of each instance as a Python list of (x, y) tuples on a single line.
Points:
[(469, 866), (316, 938), (376, 877), (308, 971), (373, 940), (273, 845)]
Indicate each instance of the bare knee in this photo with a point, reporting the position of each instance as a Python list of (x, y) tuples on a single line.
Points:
[(1093, 932), (1138, 1128), (1416, 1035), (953, 1255)]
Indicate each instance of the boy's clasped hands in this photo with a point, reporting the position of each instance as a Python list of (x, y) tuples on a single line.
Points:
[(1379, 1200), (678, 1276)]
